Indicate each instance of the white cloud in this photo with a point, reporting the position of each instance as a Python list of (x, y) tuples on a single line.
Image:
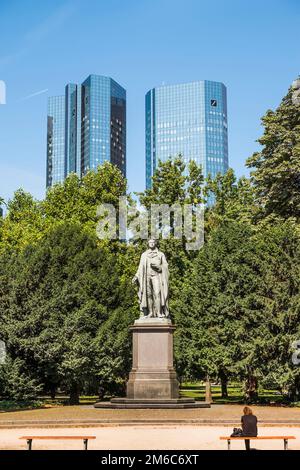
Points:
[(34, 94)]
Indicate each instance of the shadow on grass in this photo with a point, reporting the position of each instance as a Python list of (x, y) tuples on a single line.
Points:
[(235, 395), (187, 390), (11, 405)]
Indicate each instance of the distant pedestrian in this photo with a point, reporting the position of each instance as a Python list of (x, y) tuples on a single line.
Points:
[(249, 425)]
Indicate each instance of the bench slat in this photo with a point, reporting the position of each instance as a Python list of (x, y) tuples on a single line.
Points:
[(58, 437), (223, 438)]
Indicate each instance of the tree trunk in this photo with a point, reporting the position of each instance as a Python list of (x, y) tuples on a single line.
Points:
[(251, 387), (52, 391), (101, 391), (74, 394), (224, 382), (294, 390), (208, 396)]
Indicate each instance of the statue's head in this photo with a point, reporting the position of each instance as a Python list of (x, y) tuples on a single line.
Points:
[(152, 243), (296, 84)]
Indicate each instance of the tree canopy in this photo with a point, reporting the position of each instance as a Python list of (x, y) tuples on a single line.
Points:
[(66, 298), (54, 300), (276, 168)]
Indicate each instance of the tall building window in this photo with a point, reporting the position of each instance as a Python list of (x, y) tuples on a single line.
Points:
[(86, 117), (188, 119)]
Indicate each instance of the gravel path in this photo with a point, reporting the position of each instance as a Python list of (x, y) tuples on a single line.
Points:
[(145, 437), (215, 414)]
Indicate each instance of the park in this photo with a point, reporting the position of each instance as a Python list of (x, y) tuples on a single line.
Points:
[(116, 339), (149, 231)]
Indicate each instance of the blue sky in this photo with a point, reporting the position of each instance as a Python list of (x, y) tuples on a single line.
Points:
[(251, 46)]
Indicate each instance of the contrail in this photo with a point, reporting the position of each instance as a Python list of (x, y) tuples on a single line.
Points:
[(34, 94)]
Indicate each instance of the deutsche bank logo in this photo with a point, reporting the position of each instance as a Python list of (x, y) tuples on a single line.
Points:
[(2, 92)]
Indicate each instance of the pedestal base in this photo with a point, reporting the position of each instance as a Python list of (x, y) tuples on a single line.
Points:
[(152, 381), (152, 375), (127, 403)]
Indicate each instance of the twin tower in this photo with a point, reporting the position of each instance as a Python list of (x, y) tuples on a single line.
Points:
[(87, 126)]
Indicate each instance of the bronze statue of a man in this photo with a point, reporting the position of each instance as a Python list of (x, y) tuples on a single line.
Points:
[(152, 277)]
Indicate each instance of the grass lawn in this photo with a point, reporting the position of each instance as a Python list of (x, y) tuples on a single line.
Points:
[(235, 393), (11, 405), (188, 390), (43, 402)]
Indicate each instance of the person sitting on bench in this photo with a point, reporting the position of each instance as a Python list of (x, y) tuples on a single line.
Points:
[(249, 425)]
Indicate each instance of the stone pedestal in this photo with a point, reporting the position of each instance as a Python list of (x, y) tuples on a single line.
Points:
[(152, 375), (152, 381)]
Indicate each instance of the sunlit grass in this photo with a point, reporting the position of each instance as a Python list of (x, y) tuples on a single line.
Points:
[(194, 390), (235, 393)]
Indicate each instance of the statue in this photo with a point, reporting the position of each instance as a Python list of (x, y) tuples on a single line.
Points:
[(152, 278), (296, 92)]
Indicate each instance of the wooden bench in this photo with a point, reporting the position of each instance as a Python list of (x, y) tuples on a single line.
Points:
[(285, 439), (85, 439)]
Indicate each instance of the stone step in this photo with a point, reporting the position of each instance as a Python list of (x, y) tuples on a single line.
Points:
[(129, 403)]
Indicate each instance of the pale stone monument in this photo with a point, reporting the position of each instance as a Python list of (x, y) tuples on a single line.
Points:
[(152, 277), (296, 92), (152, 381), (153, 375), (2, 352)]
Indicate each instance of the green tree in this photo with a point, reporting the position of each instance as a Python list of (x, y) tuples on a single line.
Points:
[(2, 201), (168, 184), (54, 297), (114, 346), (233, 200), (218, 299), (74, 200), (23, 223), (175, 182), (17, 382), (279, 247), (238, 313), (276, 174), (77, 199)]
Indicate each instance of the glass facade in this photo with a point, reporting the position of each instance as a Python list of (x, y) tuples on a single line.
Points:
[(56, 163), (118, 126), (94, 126), (72, 127), (103, 131), (188, 119)]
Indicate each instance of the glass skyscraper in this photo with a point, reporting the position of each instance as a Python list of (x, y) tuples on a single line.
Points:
[(188, 119), (72, 127), (91, 126), (56, 164), (103, 131)]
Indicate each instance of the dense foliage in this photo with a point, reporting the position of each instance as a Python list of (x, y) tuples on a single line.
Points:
[(66, 298), (276, 174)]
